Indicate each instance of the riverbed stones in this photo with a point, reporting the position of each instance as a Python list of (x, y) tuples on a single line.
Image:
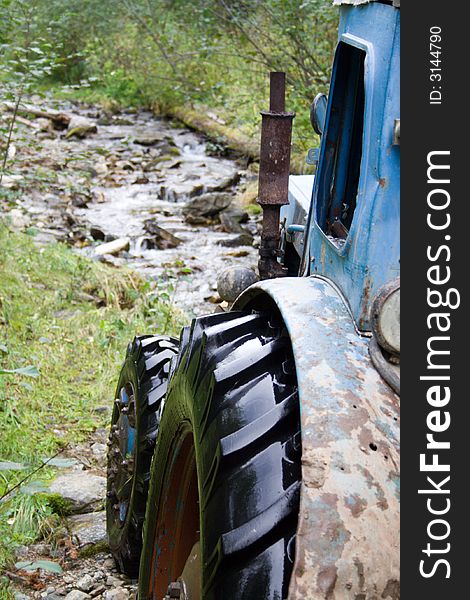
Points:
[(81, 491), (76, 595), (88, 529), (203, 209), (117, 594)]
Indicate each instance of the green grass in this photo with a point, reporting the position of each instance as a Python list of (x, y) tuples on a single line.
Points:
[(68, 320)]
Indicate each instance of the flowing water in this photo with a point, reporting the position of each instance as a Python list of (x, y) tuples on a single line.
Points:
[(144, 169)]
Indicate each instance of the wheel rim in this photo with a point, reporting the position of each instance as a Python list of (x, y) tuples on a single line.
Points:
[(122, 453), (177, 526)]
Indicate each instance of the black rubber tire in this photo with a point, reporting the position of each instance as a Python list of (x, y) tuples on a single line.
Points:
[(235, 383), (146, 368)]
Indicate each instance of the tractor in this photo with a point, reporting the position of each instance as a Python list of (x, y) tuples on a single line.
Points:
[(257, 457)]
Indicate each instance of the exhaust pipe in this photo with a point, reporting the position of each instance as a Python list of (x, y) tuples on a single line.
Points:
[(276, 135)]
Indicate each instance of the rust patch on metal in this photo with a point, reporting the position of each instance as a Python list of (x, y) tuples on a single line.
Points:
[(392, 590), (372, 483), (356, 504), (316, 466), (276, 135), (327, 580)]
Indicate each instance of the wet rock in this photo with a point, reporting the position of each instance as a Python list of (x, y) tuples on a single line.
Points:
[(202, 210), (80, 127), (150, 139), (160, 238), (244, 239), (81, 491), (124, 165), (122, 121), (80, 200), (230, 220), (113, 247), (141, 180), (238, 253), (227, 182), (88, 529), (233, 281), (97, 234)]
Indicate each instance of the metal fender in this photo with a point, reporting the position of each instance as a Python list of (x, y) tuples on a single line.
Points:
[(347, 544)]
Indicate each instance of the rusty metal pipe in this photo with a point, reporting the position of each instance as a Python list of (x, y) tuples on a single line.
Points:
[(276, 135)]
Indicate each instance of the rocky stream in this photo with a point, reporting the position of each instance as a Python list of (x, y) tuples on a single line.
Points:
[(131, 189)]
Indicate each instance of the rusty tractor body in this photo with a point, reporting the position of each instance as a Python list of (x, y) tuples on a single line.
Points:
[(343, 225)]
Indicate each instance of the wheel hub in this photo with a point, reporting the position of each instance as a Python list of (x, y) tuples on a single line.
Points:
[(122, 452)]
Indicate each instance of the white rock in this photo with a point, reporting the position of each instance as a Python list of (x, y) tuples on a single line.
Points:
[(113, 247), (117, 594), (85, 583), (82, 491)]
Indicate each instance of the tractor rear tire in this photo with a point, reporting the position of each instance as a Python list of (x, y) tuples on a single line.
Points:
[(232, 407), (136, 416)]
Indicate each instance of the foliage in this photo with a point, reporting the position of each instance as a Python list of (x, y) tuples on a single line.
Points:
[(27, 57), (168, 53)]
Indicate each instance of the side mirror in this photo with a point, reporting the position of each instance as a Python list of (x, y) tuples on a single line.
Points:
[(318, 113)]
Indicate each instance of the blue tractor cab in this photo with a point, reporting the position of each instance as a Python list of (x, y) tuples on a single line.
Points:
[(352, 234)]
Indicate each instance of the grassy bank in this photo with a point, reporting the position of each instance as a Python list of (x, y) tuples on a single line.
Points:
[(64, 325)]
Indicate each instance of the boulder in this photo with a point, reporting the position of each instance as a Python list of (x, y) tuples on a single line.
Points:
[(81, 491), (159, 237), (88, 529), (202, 210), (80, 127), (233, 281)]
